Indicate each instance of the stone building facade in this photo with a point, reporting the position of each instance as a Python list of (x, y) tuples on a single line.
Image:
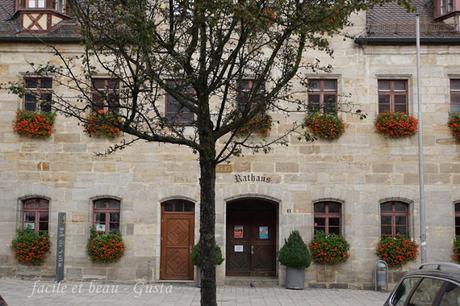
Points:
[(360, 171)]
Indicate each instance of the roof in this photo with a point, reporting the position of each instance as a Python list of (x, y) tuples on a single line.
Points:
[(65, 31), (390, 23)]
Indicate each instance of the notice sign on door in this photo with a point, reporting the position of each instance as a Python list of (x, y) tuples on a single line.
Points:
[(238, 248), (263, 232), (238, 231)]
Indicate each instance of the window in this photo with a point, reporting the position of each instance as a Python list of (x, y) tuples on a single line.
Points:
[(392, 96), (175, 112), (426, 292), (457, 219), (38, 94), (455, 95), (178, 206), (322, 95), (327, 217), (106, 214), (35, 3), (60, 6), (105, 94), (245, 94), (404, 290), (446, 6), (394, 218), (450, 295), (35, 214)]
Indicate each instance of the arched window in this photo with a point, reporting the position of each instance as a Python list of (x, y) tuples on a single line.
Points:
[(457, 219), (178, 206), (328, 217), (394, 218), (35, 214), (106, 215)]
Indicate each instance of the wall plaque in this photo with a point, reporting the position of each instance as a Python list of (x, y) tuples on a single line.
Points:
[(224, 168), (60, 247), (252, 178)]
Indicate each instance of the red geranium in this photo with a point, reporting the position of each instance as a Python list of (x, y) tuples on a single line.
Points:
[(30, 248), (105, 247), (395, 125), (454, 124), (396, 251), (329, 249), (34, 124), (325, 126), (102, 124)]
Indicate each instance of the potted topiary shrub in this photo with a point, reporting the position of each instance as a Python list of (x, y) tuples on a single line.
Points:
[(395, 125), (325, 126), (454, 125), (329, 249), (296, 257), (196, 261), (105, 247), (397, 251), (30, 247)]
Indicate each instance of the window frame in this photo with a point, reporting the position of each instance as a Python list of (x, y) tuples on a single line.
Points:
[(393, 214), (456, 215), (107, 211), (392, 93), (36, 211), (105, 93), (326, 215), (454, 92), (241, 91), (321, 92), (37, 92), (179, 120)]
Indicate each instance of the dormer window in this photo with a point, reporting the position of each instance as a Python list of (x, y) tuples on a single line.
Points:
[(40, 15), (35, 4), (53, 5), (446, 8)]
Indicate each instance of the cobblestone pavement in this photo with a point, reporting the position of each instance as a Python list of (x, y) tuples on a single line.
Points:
[(30, 292)]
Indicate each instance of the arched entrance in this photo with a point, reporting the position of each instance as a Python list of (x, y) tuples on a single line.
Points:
[(177, 238), (251, 237)]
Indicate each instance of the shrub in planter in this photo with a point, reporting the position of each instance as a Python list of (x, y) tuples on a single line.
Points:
[(456, 250), (197, 262), (261, 124), (395, 125), (329, 249), (30, 248), (454, 125), (397, 251), (101, 124), (295, 256), (325, 126), (34, 124), (105, 247)]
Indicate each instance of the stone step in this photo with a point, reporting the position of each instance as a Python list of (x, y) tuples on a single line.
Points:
[(246, 281)]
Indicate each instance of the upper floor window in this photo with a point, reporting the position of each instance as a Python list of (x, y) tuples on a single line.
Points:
[(105, 94), (446, 6), (393, 96), (106, 215), (455, 95), (245, 94), (176, 112), (457, 219), (38, 94), (328, 217), (322, 95), (35, 3), (35, 214), (394, 218)]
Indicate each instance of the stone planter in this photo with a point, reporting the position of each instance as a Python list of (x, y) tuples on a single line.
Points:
[(295, 278)]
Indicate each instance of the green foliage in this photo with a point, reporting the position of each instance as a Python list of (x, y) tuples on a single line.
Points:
[(329, 249), (325, 126), (397, 251), (105, 247), (294, 253), (196, 255), (30, 247), (456, 250)]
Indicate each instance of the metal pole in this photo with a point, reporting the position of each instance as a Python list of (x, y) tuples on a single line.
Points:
[(420, 152)]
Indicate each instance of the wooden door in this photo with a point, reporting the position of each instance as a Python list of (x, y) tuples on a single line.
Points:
[(251, 239), (177, 238)]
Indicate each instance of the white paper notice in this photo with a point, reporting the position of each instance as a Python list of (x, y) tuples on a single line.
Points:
[(238, 248)]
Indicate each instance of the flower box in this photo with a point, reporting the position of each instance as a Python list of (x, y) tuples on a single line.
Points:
[(105, 247), (34, 124), (102, 124), (454, 125), (260, 124), (329, 249), (325, 126), (395, 125), (30, 248), (397, 251)]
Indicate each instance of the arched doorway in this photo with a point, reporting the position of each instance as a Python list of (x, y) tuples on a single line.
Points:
[(177, 238), (251, 237)]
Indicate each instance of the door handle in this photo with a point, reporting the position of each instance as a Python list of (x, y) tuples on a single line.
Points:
[(252, 249)]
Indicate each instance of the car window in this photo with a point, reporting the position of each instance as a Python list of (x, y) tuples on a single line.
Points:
[(426, 292), (451, 295), (402, 293)]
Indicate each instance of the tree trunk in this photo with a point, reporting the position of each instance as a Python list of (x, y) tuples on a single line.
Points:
[(207, 226)]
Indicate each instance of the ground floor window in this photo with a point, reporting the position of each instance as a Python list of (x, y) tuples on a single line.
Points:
[(35, 214), (106, 215), (394, 218), (328, 217)]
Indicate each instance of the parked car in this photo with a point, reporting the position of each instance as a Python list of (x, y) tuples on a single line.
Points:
[(432, 284)]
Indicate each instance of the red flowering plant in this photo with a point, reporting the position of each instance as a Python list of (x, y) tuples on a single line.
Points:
[(105, 247), (395, 125), (325, 126), (456, 250), (102, 124), (454, 125), (260, 124), (397, 251), (34, 124), (30, 248), (329, 249)]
